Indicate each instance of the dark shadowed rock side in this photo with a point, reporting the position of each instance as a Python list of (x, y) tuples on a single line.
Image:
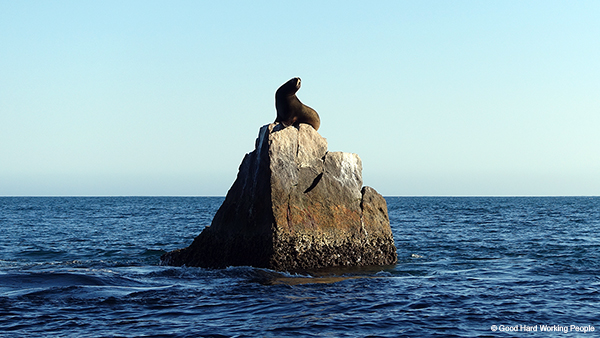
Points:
[(294, 206)]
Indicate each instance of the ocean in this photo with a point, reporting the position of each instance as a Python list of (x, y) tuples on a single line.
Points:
[(467, 267)]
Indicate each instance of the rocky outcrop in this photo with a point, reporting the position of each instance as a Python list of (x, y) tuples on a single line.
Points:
[(294, 206)]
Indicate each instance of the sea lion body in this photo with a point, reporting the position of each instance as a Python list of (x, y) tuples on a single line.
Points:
[(289, 108)]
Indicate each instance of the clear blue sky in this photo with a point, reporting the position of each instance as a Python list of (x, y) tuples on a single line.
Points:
[(166, 97)]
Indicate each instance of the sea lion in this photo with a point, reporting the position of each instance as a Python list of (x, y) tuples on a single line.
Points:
[(290, 110)]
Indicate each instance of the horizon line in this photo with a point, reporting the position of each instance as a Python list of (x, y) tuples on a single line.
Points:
[(223, 196)]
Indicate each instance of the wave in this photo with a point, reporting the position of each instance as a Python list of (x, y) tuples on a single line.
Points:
[(42, 282)]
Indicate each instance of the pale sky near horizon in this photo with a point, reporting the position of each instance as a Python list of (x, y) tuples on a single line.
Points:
[(166, 97)]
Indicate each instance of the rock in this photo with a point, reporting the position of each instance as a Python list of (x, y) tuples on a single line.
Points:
[(294, 206)]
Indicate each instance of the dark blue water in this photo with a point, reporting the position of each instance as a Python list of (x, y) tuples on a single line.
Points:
[(89, 267)]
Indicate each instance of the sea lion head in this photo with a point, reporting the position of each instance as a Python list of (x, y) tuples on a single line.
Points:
[(290, 87)]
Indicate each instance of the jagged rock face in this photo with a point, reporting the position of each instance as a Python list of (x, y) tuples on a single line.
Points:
[(295, 206)]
